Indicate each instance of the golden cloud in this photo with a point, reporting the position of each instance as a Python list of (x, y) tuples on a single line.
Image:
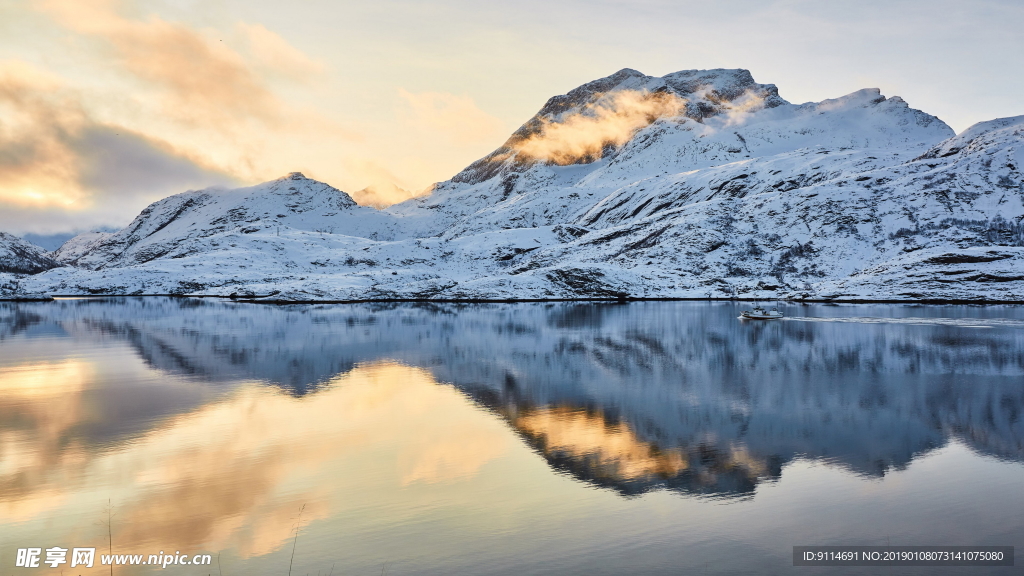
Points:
[(73, 157), (200, 79), (611, 120), (384, 188), (443, 130), (446, 115), (56, 158), (178, 106), (37, 118), (275, 54)]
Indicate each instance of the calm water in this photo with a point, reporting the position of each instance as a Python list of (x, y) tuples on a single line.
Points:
[(552, 438)]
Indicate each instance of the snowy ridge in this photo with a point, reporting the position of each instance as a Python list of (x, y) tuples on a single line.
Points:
[(695, 184)]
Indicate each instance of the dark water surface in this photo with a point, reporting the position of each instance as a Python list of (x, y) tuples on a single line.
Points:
[(539, 438)]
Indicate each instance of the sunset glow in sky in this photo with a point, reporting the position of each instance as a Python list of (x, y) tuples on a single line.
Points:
[(108, 105)]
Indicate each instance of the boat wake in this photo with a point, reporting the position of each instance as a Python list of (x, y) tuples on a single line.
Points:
[(958, 322)]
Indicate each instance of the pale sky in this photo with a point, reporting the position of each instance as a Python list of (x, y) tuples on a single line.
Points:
[(107, 105)]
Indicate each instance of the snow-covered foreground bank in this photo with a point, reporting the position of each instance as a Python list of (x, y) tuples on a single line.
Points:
[(696, 184)]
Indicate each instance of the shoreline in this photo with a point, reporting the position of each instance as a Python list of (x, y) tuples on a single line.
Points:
[(269, 300)]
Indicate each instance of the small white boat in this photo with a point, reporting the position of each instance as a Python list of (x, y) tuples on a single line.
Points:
[(759, 313)]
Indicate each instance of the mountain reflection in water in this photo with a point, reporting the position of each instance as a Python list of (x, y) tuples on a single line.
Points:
[(247, 412), (627, 396)]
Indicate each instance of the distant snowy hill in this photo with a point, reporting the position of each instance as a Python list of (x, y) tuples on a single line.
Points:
[(699, 183), (20, 259), (193, 222), (18, 256)]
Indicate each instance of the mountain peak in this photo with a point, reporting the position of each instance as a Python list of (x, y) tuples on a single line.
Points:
[(721, 84), (631, 100), (717, 85)]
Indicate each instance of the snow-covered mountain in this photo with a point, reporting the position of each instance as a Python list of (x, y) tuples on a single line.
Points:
[(18, 256), (191, 223), (699, 183)]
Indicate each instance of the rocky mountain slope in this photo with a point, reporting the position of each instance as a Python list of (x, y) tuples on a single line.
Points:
[(695, 184), (20, 257)]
